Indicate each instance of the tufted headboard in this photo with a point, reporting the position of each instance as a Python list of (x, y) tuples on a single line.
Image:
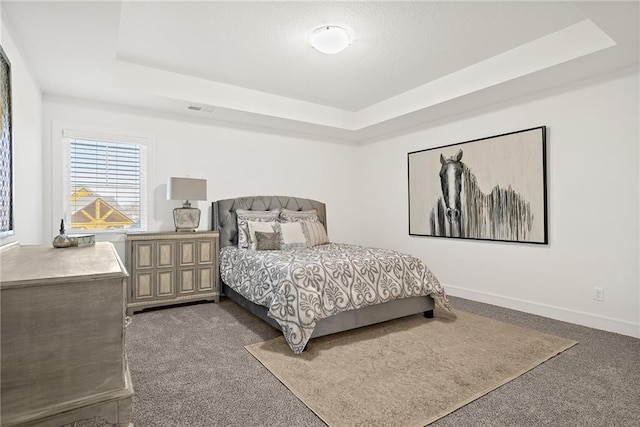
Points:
[(223, 212)]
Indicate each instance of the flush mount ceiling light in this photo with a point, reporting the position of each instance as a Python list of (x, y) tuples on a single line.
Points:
[(330, 39)]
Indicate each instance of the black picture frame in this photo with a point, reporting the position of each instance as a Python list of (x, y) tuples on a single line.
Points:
[(7, 224), (492, 188)]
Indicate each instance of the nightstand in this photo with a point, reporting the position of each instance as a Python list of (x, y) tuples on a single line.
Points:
[(170, 268)]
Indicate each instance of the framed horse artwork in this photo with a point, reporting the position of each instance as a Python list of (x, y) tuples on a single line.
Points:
[(492, 188)]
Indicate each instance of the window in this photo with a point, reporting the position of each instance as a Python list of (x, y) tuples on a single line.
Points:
[(104, 184)]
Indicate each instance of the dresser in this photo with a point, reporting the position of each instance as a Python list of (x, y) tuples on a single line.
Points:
[(63, 336), (172, 267)]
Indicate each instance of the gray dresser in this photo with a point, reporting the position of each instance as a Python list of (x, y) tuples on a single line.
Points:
[(63, 336), (172, 267)]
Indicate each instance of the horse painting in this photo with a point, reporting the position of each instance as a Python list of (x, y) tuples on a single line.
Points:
[(464, 210)]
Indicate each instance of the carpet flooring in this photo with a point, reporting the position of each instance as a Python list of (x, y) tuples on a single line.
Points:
[(407, 372), (190, 368)]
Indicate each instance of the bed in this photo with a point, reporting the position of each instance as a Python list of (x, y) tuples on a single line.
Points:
[(280, 286)]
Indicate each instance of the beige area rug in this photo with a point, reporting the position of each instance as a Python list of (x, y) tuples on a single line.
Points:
[(406, 372)]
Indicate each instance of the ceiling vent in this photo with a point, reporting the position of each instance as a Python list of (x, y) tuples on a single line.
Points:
[(203, 108)]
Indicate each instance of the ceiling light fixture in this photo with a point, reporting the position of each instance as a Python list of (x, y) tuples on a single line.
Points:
[(330, 39)]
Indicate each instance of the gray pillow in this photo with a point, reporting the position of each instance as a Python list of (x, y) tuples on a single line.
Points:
[(244, 216), (315, 233), (290, 216), (266, 241)]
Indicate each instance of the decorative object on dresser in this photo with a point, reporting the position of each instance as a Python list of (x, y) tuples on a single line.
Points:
[(64, 241), (61, 240), (63, 325), (78, 240), (186, 218), (171, 268)]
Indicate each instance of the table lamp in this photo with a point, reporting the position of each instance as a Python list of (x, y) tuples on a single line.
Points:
[(186, 218)]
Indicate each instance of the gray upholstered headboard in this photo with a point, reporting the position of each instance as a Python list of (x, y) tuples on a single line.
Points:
[(223, 212)]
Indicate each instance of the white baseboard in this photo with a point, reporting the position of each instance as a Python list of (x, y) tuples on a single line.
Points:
[(558, 313)]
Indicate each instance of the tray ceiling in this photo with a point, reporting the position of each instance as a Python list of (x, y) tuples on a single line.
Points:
[(250, 64)]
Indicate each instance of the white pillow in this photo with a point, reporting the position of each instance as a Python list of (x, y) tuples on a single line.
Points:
[(264, 226), (291, 235)]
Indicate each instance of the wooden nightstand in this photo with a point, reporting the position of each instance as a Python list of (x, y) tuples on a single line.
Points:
[(171, 267)]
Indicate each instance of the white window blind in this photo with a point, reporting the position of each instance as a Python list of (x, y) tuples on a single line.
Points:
[(104, 185)]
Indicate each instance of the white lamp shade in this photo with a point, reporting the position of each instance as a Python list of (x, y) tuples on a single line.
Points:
[(330, 39), (186, 189)]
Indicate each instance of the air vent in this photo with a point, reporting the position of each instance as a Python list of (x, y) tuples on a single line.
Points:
[(203, 108)]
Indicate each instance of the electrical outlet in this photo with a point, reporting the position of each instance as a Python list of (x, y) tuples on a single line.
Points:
[(598, 294)]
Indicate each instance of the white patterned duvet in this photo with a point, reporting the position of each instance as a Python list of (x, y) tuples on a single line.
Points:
[(302, 286)]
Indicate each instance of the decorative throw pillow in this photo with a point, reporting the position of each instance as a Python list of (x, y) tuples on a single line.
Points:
[(259, 226), (243, 216), (290, 216), (291, 235), (267, 241), (315, 233)]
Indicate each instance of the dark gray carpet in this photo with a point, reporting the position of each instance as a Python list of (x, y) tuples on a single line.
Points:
[(190, 368)]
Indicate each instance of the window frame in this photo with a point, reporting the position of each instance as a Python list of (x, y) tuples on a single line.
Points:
[(60, 192)]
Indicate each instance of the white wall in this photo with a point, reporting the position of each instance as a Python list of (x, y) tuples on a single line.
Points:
[(638, 172), (27, 146), (593, 173), (234, 162), (593, 197)]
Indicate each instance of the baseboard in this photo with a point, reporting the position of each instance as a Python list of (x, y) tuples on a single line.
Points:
[(558, 313)]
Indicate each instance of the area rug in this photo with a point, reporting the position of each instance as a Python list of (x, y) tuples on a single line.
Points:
[(406, 372)]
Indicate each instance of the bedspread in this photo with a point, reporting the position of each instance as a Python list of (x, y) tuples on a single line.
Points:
[(302, 286)]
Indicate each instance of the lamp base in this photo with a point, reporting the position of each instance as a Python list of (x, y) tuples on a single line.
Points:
[(186, 219)]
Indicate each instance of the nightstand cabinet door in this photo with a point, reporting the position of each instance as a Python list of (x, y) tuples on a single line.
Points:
[(208, 265), (187, 281), (168, 268), (165, 284), (164, 253), (153, 275), (143, 256), (187, 267), (143, 285), (206, 279)]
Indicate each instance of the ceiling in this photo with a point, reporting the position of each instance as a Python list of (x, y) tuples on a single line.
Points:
[(250, 64)]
